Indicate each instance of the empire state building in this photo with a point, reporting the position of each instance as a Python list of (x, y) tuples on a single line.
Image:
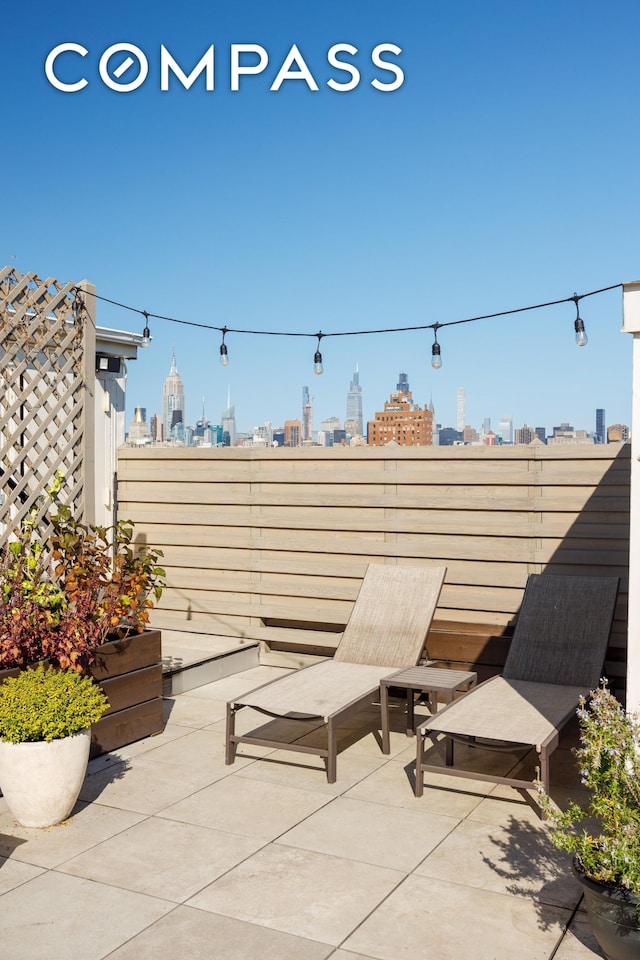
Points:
[(172, 401)]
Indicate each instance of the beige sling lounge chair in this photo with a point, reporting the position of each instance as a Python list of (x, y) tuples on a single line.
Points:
[(556, 656), (387, 630)]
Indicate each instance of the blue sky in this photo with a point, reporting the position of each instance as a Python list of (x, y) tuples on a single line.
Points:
[(502, 173)]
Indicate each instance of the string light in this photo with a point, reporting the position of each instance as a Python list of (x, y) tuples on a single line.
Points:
[(224, 353), (436, 359), (581, 334), (318, 369), (146, 333)]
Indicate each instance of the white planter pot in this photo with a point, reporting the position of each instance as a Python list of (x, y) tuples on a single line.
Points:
[(41, 781)]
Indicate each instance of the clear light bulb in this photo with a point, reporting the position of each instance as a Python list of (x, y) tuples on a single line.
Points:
[(436, 359), (581, 334), (146, 337), (317, 363), (224, 356)]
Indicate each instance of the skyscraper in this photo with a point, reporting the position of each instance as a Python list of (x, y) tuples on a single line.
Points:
[(292, 433), (524, 435), (403, 383), (172, 400), (435, 428), (328, 430), (601, 432), (354, 406), (138, 430), (307, 415), (155, 427), (460, 410), (402, 422), (229, 423), (202, 425), (505, 428)]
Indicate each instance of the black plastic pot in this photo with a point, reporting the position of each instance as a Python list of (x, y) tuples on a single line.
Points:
[(613, 917)]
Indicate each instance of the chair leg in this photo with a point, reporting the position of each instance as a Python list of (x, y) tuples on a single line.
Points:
[(544, 774), (384, 718), (448, 751), (332, 747), (410, 713), (419, 785), (230, 746)]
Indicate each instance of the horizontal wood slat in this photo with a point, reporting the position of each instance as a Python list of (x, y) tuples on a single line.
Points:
[(235, 502), (271, 545)]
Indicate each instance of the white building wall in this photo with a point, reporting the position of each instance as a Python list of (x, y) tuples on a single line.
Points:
[(631, 324)]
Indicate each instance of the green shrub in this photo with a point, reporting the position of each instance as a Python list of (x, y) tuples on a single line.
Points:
[(48, 704), (607, 847)]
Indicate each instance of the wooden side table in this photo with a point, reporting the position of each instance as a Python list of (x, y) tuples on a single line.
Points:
[(430, 680)]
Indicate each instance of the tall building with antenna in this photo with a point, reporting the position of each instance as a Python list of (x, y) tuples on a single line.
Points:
[(172, 400), (307, 415), (229, 423), (353, 421), (202, 424)]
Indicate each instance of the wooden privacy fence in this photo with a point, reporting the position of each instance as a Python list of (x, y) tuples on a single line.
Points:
[(272, 544)]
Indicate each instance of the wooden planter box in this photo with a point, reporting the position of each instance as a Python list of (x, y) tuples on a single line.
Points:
[(130, 673)]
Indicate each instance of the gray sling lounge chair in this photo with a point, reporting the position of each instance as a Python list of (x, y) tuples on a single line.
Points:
[(387, 630), (556, 656)]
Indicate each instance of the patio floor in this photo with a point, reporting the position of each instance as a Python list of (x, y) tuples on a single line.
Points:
[(171, 853)]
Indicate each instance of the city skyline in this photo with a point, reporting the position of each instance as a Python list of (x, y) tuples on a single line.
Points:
[(174, 399)]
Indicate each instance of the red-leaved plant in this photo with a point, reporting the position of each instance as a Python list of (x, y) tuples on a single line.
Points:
[(85, 584)]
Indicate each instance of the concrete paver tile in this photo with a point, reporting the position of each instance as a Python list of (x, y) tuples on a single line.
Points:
[(55, 916), (187, 711), (199, 748), (516, 858), (123, 754), (300, 892), (372, 833), (163, 858), (308, 772), (193, 933), (88, 825), (235, 685), (579, 942), (393, 784), (147, 786), (247, 808), (450, 920), (13, 873)]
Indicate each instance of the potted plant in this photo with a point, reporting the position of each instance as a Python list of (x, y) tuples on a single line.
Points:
[(82, 585), (45, 720), (604, 834), (78, 596)]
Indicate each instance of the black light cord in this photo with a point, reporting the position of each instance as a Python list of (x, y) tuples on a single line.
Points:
[(348, 333)]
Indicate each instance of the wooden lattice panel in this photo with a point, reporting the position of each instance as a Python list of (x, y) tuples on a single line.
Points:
[(42, 394)]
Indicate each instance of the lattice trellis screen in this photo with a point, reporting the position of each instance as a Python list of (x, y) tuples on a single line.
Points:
[(47, 357)]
